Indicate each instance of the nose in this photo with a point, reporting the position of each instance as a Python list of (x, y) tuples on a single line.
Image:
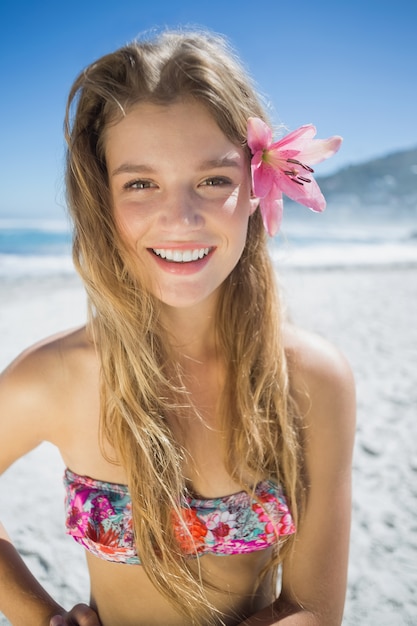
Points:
[(181, 211)]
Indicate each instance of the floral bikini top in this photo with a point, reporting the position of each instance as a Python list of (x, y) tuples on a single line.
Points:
[(99, 517)]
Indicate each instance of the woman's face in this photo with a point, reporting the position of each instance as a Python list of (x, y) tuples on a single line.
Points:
[(181, 196)]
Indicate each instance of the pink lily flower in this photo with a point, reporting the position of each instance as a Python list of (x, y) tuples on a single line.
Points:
[(285, 167)]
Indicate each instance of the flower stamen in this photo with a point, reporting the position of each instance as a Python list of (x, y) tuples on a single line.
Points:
[(296, 178), (303, 165)]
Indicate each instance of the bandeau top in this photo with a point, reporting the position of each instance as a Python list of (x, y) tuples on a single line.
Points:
[(99, 517)]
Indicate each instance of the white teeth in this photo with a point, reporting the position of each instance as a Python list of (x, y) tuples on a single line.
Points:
[(181, 256)]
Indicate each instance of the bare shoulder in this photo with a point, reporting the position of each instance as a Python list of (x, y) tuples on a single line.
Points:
[(37, 391), (322, 383), (48, 360), (315, 364)]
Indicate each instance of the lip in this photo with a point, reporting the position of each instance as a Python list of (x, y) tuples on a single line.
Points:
[(182, 268)]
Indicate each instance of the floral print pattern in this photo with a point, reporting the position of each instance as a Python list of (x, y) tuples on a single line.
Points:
[(99, 517)]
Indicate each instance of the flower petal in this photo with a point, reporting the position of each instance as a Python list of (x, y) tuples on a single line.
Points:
[(259, 134), (296, 139), (320, 149), (308, 194), (271, 208), (262, 179)]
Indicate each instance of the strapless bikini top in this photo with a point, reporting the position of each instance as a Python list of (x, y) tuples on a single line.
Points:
[(99, 517)]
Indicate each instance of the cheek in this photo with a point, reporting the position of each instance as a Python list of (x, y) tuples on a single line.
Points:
[(238, 206), (129, 223), (123, 229), (127, 237), (230, 208)]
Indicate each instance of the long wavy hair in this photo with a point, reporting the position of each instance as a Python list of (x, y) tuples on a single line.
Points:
[(140, 383)]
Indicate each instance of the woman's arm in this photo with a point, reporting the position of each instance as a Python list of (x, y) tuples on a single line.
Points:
[(315, 572), (22, 599), (29, 395)]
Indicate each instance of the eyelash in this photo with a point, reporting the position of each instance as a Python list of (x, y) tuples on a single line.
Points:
[(135, 184), (215, 181)]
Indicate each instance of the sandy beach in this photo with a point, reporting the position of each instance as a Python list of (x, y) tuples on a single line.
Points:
[(370, 314)]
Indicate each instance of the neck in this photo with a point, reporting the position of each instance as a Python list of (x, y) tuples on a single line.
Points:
[(191, 332)]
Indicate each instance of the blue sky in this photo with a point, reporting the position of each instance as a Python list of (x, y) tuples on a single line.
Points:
[(348, 67)]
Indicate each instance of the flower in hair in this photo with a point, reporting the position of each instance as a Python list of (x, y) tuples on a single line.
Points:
[(285, 167)]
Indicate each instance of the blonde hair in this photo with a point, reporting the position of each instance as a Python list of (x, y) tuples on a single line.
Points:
[(140, 385)]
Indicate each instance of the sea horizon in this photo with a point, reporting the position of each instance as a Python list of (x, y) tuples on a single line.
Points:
[(31, 247)]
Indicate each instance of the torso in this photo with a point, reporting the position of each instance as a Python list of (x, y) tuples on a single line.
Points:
[(72, 423), (114, 589)]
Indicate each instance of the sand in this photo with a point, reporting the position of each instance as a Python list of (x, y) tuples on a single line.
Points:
[(370, 314)]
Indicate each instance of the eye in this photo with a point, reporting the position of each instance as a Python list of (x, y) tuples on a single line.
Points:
[(216, 181), (139, 183)]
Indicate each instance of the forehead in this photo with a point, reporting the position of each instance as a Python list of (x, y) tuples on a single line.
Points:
[(152, 130)]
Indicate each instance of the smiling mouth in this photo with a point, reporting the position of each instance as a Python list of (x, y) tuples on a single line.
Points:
[(181, 256)]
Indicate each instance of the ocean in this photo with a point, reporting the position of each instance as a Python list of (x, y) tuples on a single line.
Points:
[(43, 246), (32, 247)]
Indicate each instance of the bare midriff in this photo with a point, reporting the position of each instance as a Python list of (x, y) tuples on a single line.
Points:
[(124, 596)]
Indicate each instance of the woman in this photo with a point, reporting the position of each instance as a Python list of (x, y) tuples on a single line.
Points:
[(206, 439)]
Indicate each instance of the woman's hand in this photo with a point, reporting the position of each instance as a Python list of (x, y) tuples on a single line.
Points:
[(80, 615)]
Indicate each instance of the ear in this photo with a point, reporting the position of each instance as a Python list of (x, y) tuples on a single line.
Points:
[(253, 203)]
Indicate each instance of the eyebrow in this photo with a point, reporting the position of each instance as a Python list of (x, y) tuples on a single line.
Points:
[(222, 162), (132, 168)]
